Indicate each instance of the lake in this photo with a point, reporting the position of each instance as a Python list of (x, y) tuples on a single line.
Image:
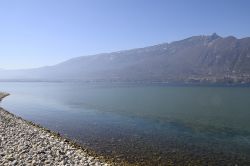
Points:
[(142, 124)]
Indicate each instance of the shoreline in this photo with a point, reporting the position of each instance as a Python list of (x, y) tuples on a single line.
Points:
[(25, 143), (140, 83), (170, 148), (3, 95)]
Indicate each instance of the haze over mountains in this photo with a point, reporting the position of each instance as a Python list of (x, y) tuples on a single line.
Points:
[(198, 59)]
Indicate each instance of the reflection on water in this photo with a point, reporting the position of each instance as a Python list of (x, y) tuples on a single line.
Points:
[(146, 124)]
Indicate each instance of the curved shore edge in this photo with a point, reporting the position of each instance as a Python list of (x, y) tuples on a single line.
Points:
[(3, 95), (24, 143)]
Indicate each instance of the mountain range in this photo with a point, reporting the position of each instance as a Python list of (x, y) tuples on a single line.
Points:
[(198, 59)]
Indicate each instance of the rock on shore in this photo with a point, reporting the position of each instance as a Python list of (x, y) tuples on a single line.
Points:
[(22, 143)]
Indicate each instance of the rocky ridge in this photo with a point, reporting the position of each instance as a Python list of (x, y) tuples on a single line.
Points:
[(200, 59)]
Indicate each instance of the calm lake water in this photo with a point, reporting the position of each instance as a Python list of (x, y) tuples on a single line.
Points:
[(144, 124)]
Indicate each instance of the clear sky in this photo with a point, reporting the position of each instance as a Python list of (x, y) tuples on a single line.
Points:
[(35, 33)]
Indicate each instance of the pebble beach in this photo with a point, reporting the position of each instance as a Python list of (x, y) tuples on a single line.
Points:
[(24, 143)]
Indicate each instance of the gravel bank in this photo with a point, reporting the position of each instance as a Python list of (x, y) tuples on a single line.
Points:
[(22, 143)]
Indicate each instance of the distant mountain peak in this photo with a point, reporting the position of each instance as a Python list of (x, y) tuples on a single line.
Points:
[(200, 38), (212, 37), (215, 36)]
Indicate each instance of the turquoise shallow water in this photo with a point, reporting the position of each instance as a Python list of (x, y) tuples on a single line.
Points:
[(142, 123)]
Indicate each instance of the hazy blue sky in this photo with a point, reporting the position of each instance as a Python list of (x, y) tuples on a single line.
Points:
[(44, 32)]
